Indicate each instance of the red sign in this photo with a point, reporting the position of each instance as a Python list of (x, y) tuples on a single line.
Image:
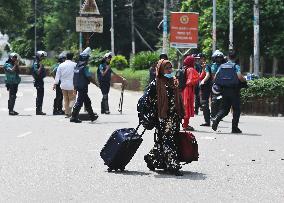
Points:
[(184, 30)]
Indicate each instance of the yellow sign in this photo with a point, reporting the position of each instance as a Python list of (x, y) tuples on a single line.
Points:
[(90, 7)]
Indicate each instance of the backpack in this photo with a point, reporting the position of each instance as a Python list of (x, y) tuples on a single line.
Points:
[(147, 107), (181, 75), (227, 76)]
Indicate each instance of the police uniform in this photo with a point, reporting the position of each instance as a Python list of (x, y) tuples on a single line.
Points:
[(197, 104), (57, 104), (81, 82), (231, 98), (12, 80), (104, 82), (39, 73)]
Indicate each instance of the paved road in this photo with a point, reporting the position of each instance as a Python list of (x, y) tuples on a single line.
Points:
[(49, 159)]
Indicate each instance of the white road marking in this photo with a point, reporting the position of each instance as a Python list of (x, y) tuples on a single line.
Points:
[(24, 134)]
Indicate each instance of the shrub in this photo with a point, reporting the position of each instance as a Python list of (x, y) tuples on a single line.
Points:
[(49, 62), (119, 62), (143, 60), (264, 88)]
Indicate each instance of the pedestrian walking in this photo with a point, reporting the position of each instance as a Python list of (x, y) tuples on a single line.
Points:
[(12, 80), (192, 79), (64, 77), (81, 80), (164, 154), (104, 73), (230, 91), (58, 100), (39, 73)]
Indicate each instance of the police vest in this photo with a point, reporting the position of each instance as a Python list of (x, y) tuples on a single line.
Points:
[(80, 79)]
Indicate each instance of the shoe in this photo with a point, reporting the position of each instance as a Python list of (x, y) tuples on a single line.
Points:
[(214, 124), (148, 162), (205, 124), (94, 117), (61, 112), (13, 113), (75, 120), (107, 112), (188, 128), (67, 116), (55, 113), (236, 130), (40, 113)]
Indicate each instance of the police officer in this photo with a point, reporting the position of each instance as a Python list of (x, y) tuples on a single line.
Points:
[(199, 58), (82, 78), (39, 73), (231, 95), (12, 80), (104, 77), (57, 104)]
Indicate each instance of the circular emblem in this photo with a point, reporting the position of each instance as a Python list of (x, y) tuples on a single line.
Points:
[(184, 19)]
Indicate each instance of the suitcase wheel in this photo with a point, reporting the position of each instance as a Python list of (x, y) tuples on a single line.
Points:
[(122, 169), (109, 169)]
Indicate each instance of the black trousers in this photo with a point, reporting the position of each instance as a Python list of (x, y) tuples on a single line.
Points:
[(83, 98), (205, 94), (57, 105), (105, 87), (13, 89), (197, 103), (39, 97), (231, 98)]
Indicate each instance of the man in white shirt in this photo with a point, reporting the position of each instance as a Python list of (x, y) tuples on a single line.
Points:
[(64, 74)]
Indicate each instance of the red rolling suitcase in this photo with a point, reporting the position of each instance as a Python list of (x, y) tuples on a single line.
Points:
[(120, 148)]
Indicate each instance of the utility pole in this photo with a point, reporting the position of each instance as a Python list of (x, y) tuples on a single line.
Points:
[(112, 27), (231, 16), (256, 37), (214, 26), (80, 34), (132, 28), (35, 45), (165, 28)]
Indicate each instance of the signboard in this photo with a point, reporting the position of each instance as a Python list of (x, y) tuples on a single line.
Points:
[(89, 24), (184, 30), (89, 7)]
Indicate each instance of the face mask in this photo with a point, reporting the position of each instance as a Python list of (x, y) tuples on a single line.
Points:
[(169, 75)]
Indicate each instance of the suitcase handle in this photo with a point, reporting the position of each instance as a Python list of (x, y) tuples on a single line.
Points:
[(138, 128)]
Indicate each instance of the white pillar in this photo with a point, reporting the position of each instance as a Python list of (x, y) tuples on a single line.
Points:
[(231, 16), (256, 37), (112, 28)]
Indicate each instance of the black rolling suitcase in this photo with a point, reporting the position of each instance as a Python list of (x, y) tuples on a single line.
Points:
[(121, 147)]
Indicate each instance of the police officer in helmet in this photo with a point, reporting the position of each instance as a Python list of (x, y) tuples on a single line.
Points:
[(230, 92), (12, 80), (57, 104), (39, 73), (81, 80)]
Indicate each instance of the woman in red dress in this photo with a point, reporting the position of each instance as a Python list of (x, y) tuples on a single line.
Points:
[(192, 79)]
